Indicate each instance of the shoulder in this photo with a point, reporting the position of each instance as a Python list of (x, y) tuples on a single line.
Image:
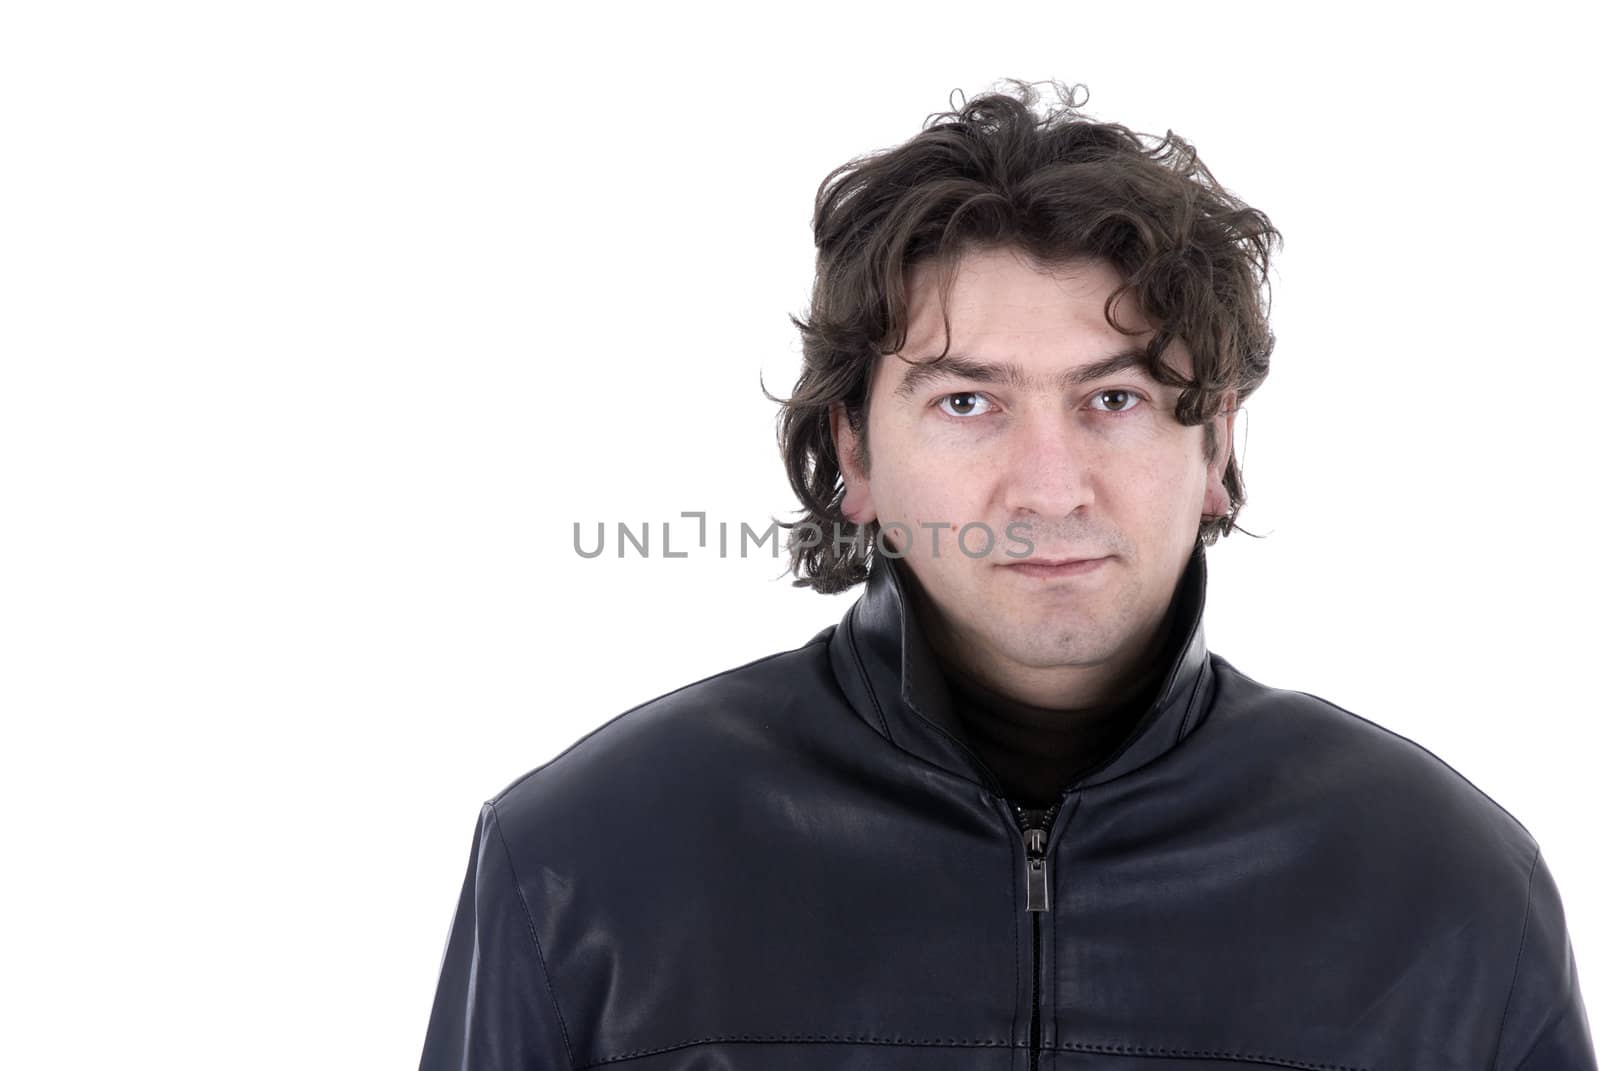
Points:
[(1380, 800), (662, 755)]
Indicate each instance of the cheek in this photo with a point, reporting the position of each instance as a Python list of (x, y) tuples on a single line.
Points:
[(1167, 482), (953, 490)]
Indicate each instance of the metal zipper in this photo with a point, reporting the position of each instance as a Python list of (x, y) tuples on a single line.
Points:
[(1035, 825)]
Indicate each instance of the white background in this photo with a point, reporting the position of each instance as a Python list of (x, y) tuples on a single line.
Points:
[(323, 322)]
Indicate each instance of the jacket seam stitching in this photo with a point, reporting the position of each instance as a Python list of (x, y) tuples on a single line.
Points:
[(1185, 726), (1516, 967), (533, 932), (1058, 833), (1225, 1054), (807, 1039), (1021, 992), (861, 1039), (866, 679)]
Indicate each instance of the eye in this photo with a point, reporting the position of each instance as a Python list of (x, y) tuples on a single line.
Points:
[(1126, 400), (964, 404)]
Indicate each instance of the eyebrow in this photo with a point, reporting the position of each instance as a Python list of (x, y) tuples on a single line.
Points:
[(960, 366)]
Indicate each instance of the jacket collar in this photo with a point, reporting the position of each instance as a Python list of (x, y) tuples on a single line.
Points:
[(892, 678)]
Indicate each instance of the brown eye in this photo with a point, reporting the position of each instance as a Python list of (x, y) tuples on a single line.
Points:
[(963, 404), (1124, 400)]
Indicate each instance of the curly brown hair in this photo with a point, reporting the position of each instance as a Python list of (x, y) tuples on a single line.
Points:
[(1057, 187)]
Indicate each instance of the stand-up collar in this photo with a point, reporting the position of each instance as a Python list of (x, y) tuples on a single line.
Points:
[(892, 678)]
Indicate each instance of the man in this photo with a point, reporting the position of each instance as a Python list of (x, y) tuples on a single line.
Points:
[(1010, 812)]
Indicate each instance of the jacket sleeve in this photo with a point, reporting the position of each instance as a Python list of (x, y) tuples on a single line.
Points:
[(1544, 1027), (494, 1009)]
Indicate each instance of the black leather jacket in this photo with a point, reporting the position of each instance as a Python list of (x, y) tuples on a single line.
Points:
[(799, 864)]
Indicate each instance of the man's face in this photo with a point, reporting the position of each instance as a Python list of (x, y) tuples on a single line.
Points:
[(1097, 469)]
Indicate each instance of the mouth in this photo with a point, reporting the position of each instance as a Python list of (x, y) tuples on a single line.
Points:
[(1051, 568)]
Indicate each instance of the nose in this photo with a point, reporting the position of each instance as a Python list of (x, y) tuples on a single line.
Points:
[(1049, 466)]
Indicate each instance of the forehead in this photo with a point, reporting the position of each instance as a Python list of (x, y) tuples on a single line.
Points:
[(1005, 308), (1002, 292)]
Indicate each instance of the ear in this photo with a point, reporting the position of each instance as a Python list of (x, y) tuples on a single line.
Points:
[(1217, 502), (857, 505)]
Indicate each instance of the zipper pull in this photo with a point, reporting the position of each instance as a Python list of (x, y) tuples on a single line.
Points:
[(1034, 838), (1038, 872)]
